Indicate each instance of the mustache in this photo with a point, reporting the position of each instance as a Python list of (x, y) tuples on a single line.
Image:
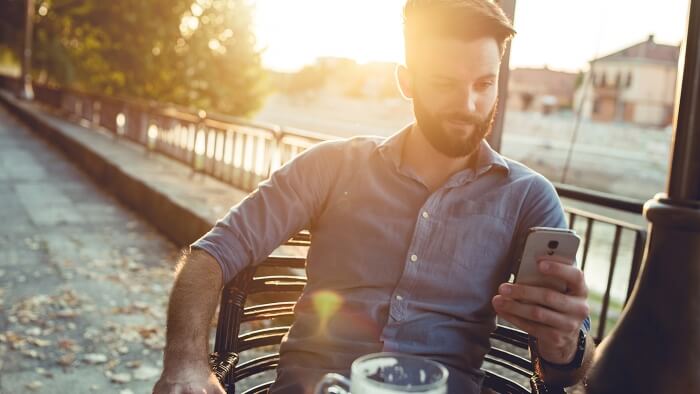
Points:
[(465, 118)]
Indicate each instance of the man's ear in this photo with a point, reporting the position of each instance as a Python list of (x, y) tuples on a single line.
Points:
[(405, 81)]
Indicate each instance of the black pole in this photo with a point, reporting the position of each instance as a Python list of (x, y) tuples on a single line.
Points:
[(26, 91), (655, 348), (684, 180), (495, 137)]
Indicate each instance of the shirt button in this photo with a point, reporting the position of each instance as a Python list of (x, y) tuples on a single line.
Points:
[(414, 258), (425, 215), (398, 297)]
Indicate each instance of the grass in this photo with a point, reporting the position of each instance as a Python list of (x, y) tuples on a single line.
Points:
[(615, 306)]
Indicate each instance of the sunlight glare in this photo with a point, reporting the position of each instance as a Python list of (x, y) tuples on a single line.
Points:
[(560, 34), (326, 303)]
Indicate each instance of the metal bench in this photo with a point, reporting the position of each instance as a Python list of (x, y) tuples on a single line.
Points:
[(259, 301)]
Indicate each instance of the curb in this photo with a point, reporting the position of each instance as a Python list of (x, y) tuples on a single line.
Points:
[(179, 223)]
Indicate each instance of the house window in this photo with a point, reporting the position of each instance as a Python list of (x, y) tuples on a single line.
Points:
[(629, 79), (603, 82), (596, 106)]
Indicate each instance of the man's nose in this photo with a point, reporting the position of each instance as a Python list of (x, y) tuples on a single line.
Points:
[(467, 100)]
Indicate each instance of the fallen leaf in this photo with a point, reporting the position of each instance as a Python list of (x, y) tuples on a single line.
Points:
[(146, 372), (95, 358), (133, 364), (35, 331), (39, 342), (120, 377), (66, 344), (66, 360)]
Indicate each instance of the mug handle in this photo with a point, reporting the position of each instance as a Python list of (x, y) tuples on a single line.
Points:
[(333, 383)]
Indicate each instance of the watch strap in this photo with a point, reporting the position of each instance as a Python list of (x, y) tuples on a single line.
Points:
[(578, 356)]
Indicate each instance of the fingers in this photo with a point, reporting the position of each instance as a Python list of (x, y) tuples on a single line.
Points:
[(189, 389), (210, 386), (550, 335), (569, 273), (536, 314), (551, 299)]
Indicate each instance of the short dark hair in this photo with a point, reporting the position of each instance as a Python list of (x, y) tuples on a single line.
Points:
[(460, 19)]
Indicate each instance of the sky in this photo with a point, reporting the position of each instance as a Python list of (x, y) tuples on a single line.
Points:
[(561, 34)]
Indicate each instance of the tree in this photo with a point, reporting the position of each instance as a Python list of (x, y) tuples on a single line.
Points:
[(309, 79), (196, 53), (11, 19)]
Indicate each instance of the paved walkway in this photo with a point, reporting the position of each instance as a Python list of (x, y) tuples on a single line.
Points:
[(83, 281)]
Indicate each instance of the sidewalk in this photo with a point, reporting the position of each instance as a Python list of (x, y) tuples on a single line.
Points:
[(83, 280), (163, 191), (86, 264)]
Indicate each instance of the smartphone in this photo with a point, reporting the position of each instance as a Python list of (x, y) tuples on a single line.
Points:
[(545, 241)]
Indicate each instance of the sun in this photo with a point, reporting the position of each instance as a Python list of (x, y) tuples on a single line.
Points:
[(294, 33)]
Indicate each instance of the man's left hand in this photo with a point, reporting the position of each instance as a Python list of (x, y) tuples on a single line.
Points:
[(554, 318)]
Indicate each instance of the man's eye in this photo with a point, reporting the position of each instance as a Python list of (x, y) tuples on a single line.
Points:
[(484, 85)]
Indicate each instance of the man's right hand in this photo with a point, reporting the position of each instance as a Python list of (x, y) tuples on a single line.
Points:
[(188, 381)]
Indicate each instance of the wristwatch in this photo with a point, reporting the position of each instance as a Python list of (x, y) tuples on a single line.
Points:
[(578, 357)]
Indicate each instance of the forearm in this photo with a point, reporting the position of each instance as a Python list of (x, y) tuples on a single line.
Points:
[(193, 300), (567, 378)]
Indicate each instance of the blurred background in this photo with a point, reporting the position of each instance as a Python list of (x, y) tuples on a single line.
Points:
[(590, 104), (328, 66)]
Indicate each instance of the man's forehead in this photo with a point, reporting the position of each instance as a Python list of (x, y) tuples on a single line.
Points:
[(458, 59)]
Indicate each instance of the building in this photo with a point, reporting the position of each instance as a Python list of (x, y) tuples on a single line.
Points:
[(635, 84), (540, 90)]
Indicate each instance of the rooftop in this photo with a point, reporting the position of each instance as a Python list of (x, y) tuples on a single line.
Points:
[(646, 51)]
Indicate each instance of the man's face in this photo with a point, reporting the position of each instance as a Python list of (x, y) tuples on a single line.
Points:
[(455, 86)]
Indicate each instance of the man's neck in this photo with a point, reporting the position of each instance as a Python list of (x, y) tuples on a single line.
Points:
[(430, 165)]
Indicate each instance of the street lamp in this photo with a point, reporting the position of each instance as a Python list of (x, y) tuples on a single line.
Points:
[(26, 91)]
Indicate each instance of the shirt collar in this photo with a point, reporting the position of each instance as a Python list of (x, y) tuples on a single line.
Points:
[(392, 149), (488, 157)]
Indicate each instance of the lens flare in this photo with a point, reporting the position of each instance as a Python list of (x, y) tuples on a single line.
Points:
[(326, 304)]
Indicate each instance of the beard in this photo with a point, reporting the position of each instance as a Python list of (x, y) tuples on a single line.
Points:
[(453, 140)]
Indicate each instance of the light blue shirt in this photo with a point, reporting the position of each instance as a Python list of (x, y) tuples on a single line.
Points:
[(414, 271)]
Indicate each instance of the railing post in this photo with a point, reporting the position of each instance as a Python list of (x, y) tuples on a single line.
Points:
[(655, 346), (199, 155), (120, 122), (276, 154)]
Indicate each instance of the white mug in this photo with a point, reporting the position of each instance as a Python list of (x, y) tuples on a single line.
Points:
[(388, 373)]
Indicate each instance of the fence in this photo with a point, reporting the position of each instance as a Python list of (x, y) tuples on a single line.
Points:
[(243, 153)]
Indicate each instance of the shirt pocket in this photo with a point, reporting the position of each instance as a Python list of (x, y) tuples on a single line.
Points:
[(468, 240), (475, 245)]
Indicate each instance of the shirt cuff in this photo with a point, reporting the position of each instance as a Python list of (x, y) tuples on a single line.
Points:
[(586, 325), (226, 249)]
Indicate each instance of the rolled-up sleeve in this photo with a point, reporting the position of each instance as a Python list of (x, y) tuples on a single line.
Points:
[(541, 208), (544, 209), (280, 207)]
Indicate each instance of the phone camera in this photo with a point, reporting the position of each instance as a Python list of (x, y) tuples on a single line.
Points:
[(553, 244)]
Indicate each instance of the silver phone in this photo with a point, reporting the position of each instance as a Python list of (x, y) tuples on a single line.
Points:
[(545, 241)]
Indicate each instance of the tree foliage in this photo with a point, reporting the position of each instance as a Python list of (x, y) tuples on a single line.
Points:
[(197, 53)]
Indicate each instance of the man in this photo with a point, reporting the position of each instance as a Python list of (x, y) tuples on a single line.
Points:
[(416, 235)]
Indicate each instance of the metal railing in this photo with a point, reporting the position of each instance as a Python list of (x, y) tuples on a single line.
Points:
[(613, 234), (243, 153), (237, 151)]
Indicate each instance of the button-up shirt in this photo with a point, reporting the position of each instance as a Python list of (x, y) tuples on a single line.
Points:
[(392, 266)]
